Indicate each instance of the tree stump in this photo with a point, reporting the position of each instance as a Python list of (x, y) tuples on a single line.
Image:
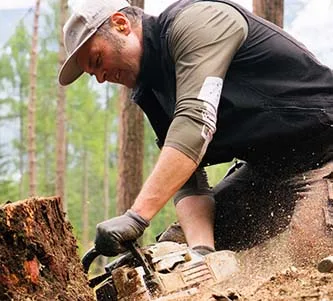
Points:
[(38, 253)]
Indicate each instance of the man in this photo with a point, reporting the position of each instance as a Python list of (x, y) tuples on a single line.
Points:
[(216, 83)]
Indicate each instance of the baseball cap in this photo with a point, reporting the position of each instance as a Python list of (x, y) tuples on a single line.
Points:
[(81, 25)]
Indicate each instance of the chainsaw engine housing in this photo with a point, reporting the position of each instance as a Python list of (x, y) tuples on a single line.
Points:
[(164, 271)]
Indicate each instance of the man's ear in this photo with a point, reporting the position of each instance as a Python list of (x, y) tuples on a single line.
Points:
[(120, 22)]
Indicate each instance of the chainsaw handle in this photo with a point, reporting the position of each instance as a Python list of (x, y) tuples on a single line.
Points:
[(92, 253), (88, 258)]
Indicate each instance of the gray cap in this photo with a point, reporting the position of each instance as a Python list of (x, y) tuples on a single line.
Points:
[(82, 24)]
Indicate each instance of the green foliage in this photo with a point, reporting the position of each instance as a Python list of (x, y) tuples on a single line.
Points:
[(6, 70), (8, 189), (14, 65), (14, 61), (216, 173)]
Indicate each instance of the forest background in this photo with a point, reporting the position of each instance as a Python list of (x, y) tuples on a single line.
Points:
[(91, 115)]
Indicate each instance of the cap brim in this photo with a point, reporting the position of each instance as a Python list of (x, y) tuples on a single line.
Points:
[(70, 70)]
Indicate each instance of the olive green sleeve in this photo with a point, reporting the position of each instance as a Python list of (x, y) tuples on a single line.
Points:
[(202, 41)]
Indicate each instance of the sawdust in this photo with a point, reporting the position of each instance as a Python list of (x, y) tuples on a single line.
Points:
[(269, 273), (285, 267)]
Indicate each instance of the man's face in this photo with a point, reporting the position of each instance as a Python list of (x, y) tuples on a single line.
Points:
[(114, 59)]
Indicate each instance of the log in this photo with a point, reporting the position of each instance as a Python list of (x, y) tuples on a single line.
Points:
[(38, 253)]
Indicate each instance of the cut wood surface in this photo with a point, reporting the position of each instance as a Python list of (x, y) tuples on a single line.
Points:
[(38, 253)]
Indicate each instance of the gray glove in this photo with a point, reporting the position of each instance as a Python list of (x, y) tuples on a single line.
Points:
[(113, 234)]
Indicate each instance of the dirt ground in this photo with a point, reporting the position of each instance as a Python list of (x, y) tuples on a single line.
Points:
[(271, 277), (295, 284), (270, 273)]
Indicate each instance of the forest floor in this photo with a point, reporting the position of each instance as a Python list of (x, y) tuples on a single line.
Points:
[(294, 284), (270, 273)]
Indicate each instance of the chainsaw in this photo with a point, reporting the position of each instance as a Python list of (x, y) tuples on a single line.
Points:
[(162, 271)]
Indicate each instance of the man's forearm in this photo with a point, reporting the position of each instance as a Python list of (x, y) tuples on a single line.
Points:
[(171, 171)]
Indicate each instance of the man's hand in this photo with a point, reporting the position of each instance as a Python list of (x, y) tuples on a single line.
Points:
[(112, 234)]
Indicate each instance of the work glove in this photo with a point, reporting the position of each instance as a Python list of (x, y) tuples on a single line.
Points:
[(112, 235)]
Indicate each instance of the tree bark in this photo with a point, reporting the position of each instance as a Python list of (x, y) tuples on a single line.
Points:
[(139, 3), (47, 157), (61, 115), (21, 146), (130, 157), (85, 202), (131, 145), (271, 10), (106, 171), (106, 177), (38, 253), (32, 105)]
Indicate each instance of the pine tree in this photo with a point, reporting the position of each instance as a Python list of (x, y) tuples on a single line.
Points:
[(270, 10), (32, 104)]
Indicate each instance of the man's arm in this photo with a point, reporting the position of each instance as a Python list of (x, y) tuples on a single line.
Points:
[(171, 171)]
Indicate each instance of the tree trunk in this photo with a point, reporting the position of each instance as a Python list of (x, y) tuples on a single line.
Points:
[(131, 144), (271, 10), (106, 178), (32, 105), (38, 253), (47, 160), (139, 3), (61, 115), (85, 203), (130, 164), (21, 145)]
